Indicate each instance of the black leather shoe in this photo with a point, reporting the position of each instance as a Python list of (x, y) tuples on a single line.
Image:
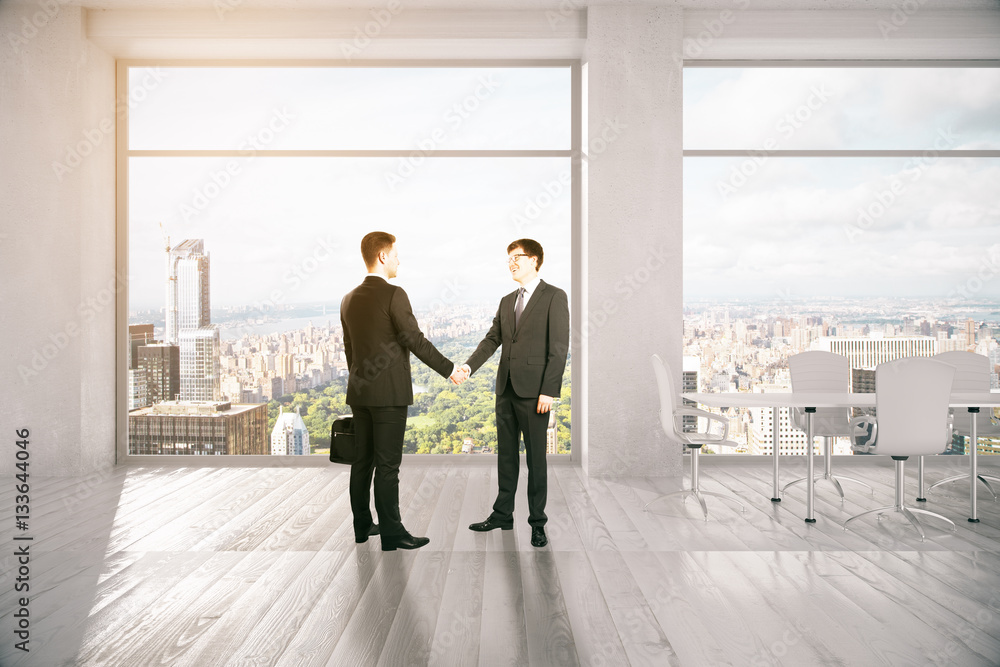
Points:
[(538, 538), (491, 524), (403, 542), (364, 538)]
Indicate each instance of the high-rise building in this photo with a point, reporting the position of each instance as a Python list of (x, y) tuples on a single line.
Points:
[(200, 371), (188, 293), (690, 375), (870, 352), (198, 428), (970, 335), (138, 335), (552, 434), (273, 388), (862, 381), (289, 435), (160, 363), (232, 389), (284, 365), (760, 435), (137, 389)]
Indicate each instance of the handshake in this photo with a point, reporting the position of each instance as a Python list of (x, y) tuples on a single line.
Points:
[(460, 374)]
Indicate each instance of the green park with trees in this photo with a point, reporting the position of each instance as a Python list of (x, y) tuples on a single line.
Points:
[(442, 416)]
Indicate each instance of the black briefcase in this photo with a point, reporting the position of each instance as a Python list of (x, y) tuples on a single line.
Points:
[(342, 440)]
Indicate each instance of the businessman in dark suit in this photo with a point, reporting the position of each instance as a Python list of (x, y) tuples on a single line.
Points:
[(532, 329), (379, 334)]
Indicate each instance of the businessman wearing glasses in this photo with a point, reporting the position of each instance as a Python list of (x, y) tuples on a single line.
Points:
[(532, 329)]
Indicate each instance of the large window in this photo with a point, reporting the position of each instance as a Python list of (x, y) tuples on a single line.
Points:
[(837, 202), (249, 189)]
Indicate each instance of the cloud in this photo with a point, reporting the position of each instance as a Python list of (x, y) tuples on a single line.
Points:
[(886, 227), (840, 108)]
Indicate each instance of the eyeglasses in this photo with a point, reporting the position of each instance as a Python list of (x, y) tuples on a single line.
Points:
[(513, 259)]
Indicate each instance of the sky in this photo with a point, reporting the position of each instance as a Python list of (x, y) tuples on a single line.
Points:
[(777, 227), (288, 230)]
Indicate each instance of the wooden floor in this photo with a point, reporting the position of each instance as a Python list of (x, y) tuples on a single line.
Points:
[(201, 567)]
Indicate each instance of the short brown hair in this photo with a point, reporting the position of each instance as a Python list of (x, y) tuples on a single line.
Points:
[(374, 243), (531, 248)]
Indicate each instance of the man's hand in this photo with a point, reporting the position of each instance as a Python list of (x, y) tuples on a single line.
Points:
[(544, 404), (459, 375)]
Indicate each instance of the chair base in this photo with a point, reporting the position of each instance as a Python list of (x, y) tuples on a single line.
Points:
[(906, 511), (982, 478), (900, 504), (833, 479), (827, 473), (700, 495), (695, 490)]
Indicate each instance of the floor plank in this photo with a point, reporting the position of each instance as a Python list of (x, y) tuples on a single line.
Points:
[(258, 566)]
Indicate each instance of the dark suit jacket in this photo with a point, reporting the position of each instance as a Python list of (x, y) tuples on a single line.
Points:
[(533, 356), (379, 334)]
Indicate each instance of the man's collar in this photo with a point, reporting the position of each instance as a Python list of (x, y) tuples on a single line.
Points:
[(533, 285), (377, 275)]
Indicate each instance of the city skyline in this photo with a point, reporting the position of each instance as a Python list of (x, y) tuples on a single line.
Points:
[(745, 346)]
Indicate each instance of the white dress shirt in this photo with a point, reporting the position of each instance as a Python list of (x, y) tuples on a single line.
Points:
[(529, 289)]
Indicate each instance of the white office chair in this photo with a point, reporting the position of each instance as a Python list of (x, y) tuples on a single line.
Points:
[(818, 372), (972, 375), (911, 401), (670, 419)]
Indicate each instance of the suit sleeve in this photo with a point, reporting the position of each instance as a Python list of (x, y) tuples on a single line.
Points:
[(488, 345), (409, 336), (558, 345)]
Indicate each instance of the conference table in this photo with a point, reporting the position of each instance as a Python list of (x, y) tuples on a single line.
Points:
[(809, 401)]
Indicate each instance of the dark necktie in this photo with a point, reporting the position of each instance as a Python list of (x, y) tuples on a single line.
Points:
[(519, 307)]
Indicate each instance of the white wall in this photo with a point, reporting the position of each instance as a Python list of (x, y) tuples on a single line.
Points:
[(57, 241)]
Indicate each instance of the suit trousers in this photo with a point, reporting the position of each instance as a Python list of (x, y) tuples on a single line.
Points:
[(516, 417), (378, 438)]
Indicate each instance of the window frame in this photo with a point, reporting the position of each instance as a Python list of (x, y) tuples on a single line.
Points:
[(830, 153), (123, 155)]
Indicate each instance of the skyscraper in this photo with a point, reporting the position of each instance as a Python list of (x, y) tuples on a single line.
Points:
[(200, 372), (138, 335), (199, 428), (870, 352), (552, 434), (188, 300), (289, 435), (690, 376), (160, 364)]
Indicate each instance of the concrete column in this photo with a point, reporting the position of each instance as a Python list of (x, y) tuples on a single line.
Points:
[(57, 240), (632, 247)]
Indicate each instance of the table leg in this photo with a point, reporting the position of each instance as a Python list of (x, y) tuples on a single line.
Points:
[(810, 482), (920, 479), (776, 493), (973, 466)]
